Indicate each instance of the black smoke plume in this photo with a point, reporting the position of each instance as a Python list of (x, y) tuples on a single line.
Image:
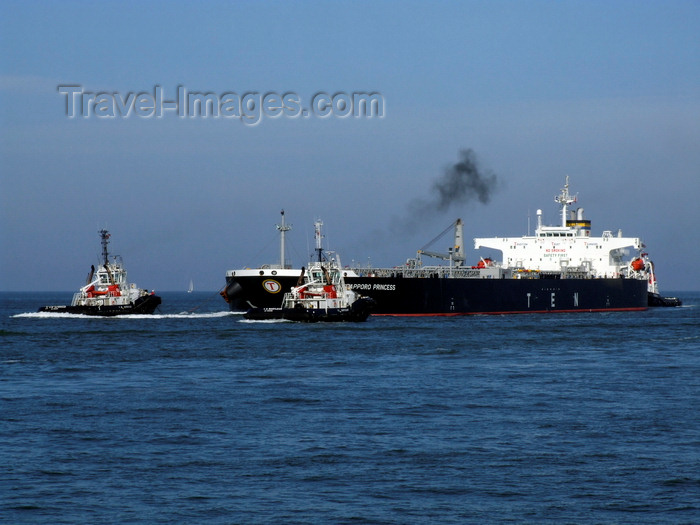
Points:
[(461, 183)]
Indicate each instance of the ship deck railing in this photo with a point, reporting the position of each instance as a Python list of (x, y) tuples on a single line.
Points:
[(430, 272), (318, 302), (492, 272)]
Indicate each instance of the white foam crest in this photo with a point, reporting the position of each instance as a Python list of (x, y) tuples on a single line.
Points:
[(51, 315), (268, 321), (181, 315), (185, 315)]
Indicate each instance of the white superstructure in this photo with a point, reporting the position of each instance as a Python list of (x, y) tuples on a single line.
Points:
[(569, 247)]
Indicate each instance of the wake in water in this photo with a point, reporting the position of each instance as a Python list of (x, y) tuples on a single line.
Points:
[(181, 315), (267, 321)]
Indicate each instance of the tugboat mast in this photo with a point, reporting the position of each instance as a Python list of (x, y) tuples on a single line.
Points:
[(283, 228), (319, 239), (104, 239)]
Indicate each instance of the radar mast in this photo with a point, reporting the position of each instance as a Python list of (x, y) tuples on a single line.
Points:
[(565, 199), (104, 239)]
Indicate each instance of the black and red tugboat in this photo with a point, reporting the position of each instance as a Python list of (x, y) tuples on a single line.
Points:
[(107, 291)]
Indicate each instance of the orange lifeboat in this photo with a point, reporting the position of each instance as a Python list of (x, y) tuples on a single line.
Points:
[(484, 263), (638, 264)]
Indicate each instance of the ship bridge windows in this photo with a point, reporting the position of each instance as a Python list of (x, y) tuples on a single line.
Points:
[(556, 234)]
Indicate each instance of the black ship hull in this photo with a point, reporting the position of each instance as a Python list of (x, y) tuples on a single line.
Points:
[(444, 296), (142, 305)]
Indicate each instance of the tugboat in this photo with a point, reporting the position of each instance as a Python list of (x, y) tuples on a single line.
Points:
[(320, 294), (642, 266), (107, 292)]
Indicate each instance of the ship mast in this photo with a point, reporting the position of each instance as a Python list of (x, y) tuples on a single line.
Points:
[(104, 239), (319, 239), (283, 228), (565, 200)]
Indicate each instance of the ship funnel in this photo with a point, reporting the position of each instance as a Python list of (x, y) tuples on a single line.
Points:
[(579, 214), (539, 219)]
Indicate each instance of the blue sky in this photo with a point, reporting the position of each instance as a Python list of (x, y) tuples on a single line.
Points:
[(605, 92)]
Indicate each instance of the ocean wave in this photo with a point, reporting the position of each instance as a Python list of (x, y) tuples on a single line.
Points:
[(181, 315)]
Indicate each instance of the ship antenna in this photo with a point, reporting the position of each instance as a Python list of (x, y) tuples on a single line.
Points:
[(283, 228), (104, 239)]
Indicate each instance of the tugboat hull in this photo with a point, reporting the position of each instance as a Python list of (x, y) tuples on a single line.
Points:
[(143, 305), (655, 299), (358, 312)]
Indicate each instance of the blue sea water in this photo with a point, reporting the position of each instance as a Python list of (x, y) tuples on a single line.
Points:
[(195, 415)]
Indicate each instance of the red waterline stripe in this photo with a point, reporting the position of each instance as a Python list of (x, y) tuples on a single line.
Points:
[(581, 310)]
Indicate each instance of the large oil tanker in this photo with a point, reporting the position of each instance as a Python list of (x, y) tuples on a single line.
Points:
[(558, 269)]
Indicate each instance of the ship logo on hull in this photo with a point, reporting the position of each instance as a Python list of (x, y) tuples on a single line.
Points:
[(271, 286)]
